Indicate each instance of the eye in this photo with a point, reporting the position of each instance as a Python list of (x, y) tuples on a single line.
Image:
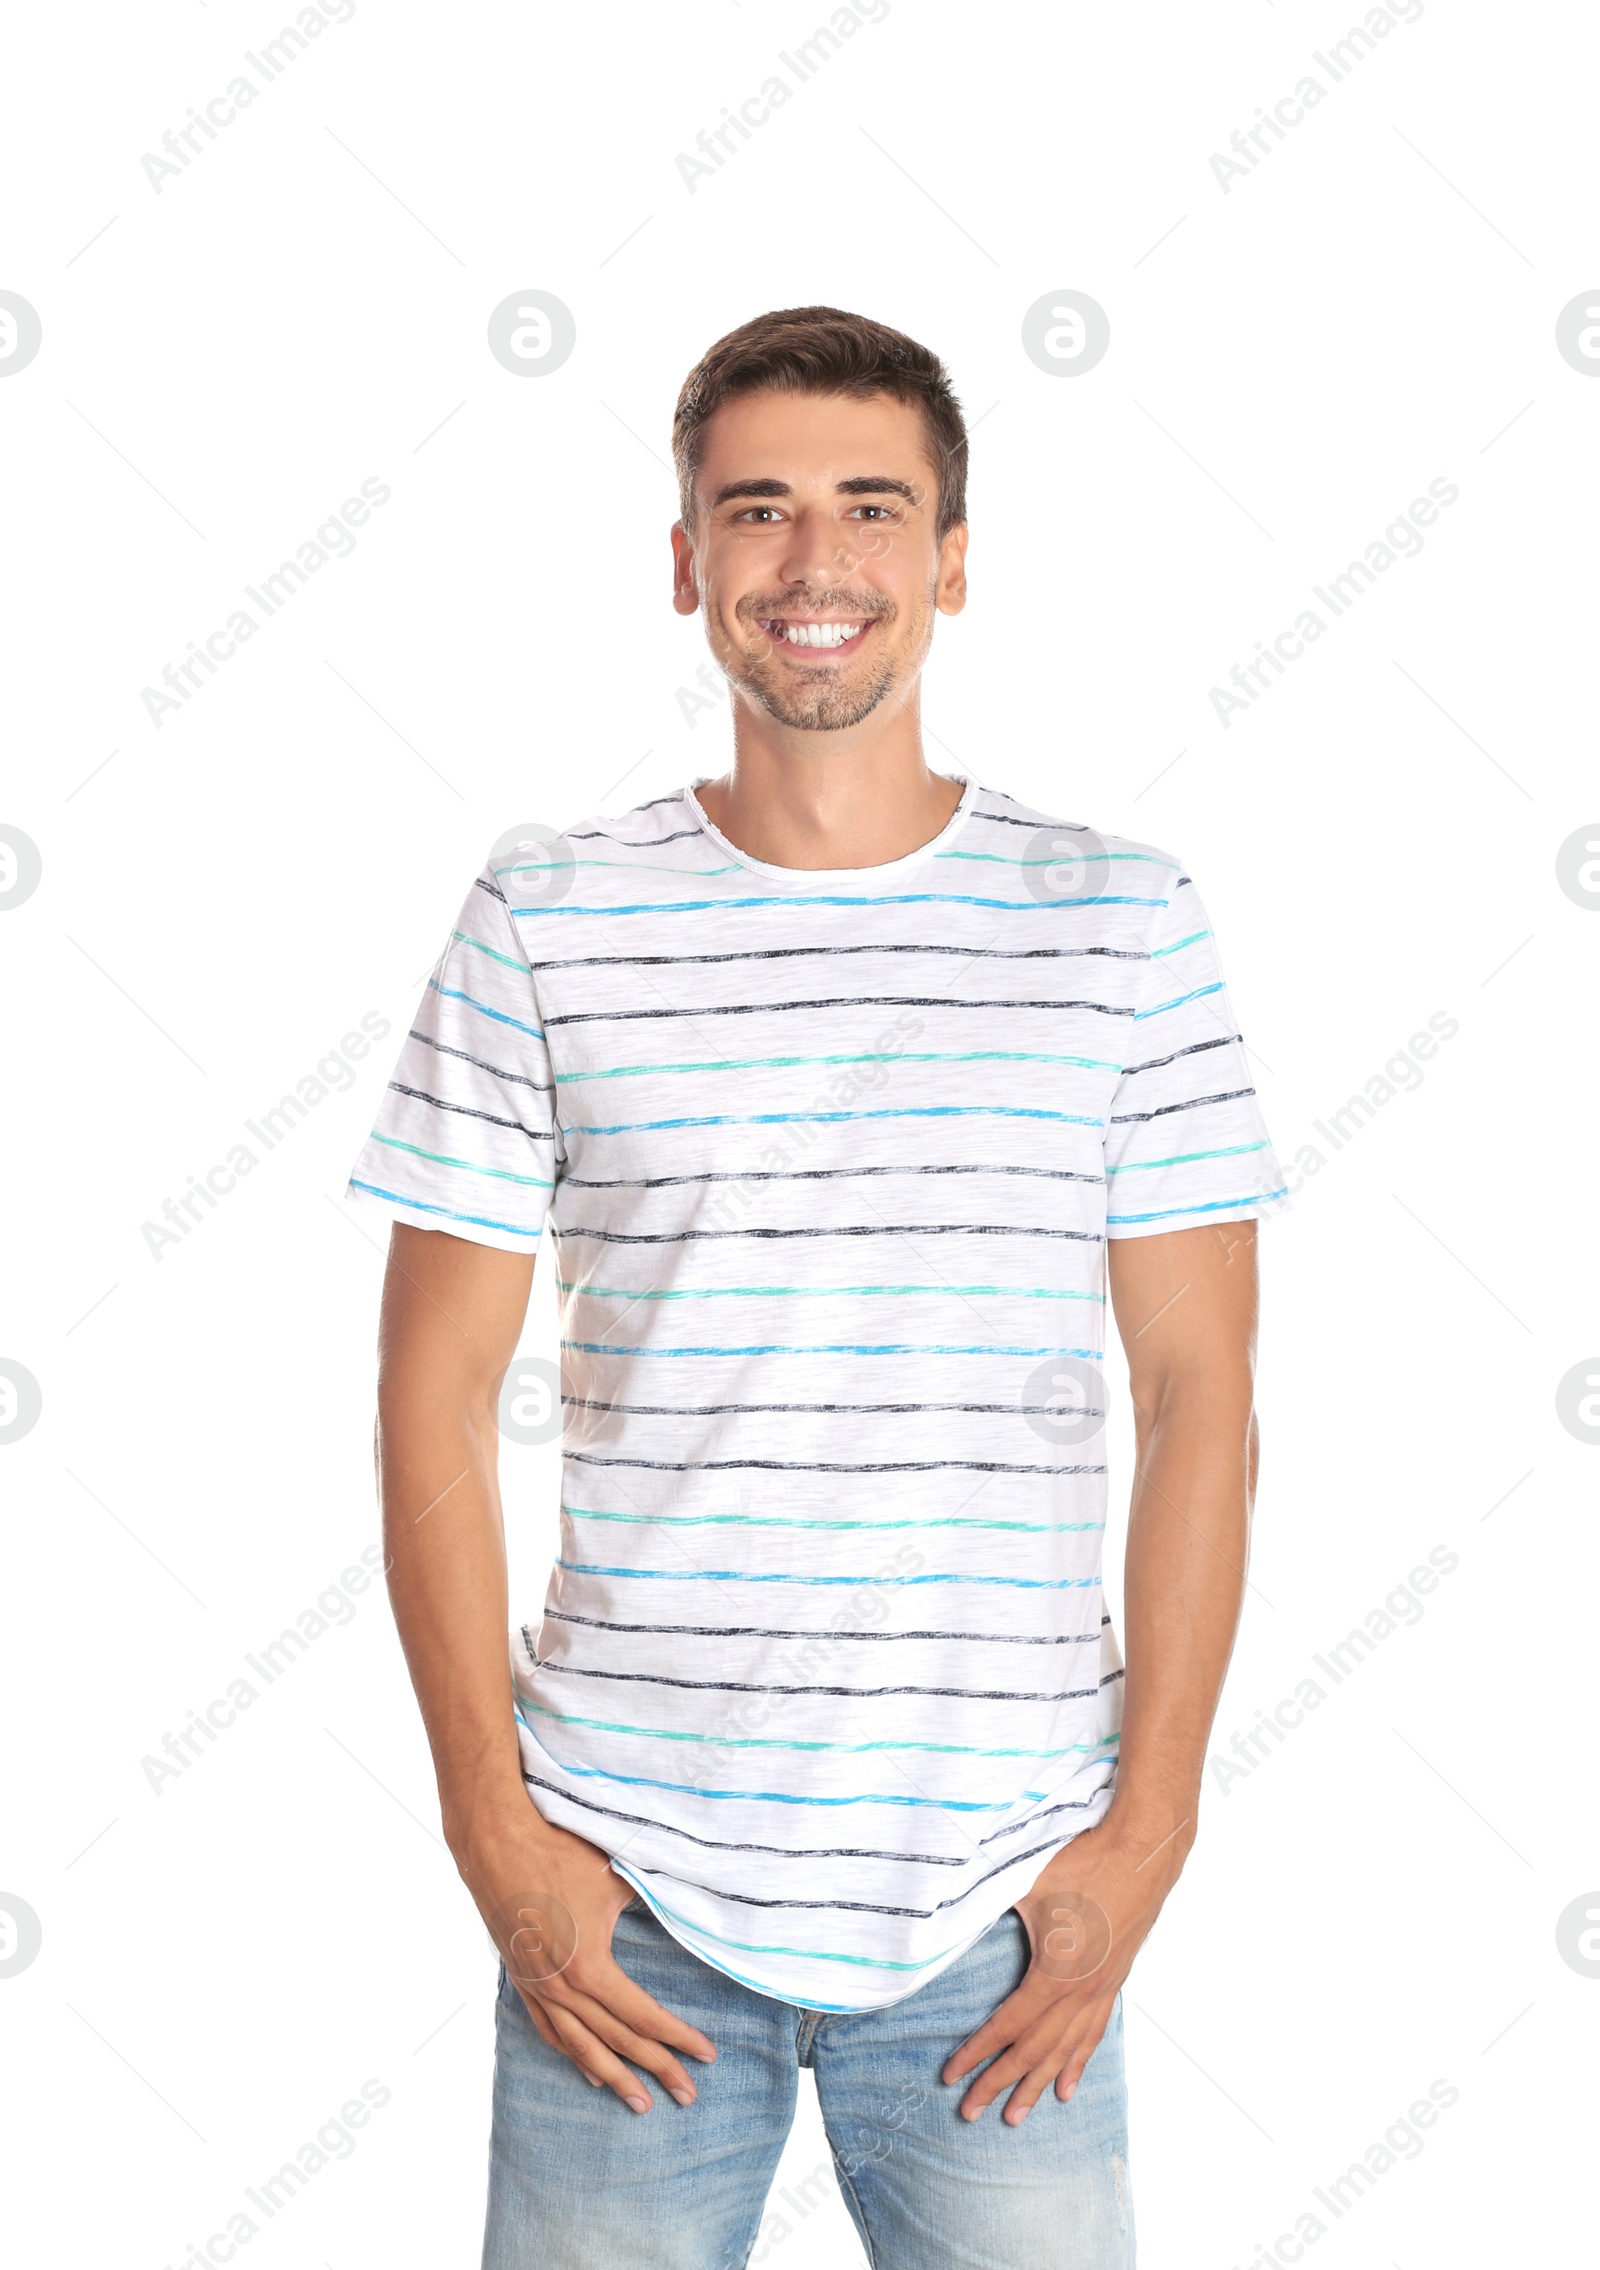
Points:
[(759, 511), (879, 511)]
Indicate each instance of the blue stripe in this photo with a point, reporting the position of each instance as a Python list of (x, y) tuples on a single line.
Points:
[(834, 1348), (783, 1118), (1215, 1206), (782, 1796), (809, 898), (484, 1009), (421, 1206), (769, 1576), (1178, 1001)]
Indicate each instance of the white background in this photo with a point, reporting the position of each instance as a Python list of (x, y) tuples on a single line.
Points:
[(1293, 359)]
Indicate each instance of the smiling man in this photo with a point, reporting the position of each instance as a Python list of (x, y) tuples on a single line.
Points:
[(853, 1094)]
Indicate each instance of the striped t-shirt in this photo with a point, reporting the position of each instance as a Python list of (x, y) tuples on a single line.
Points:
[(829, 1159)]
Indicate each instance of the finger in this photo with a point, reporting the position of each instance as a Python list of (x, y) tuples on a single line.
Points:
[(1087, 2042), (1016, 2013), (598, 2063), (639, 2050), (646, 2016), (1027, 2093), (572, 2049), (1006, 2070), (607, 1986)]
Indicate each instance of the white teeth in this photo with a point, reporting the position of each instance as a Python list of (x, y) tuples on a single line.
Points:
[(820, 634)]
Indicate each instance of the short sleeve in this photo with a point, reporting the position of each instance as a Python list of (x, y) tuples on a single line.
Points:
[(1185, 1141), (466, 1138)]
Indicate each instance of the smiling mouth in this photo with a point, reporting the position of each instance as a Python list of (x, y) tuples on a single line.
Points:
[(809, 635)]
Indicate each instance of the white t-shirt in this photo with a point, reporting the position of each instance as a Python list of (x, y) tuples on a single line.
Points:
[(830, 1158)]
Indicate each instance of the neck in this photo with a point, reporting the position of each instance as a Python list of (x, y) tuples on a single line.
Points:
[(856, 798)]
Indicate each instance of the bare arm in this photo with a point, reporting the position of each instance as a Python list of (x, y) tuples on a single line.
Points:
[(1185, 1306), (452, 1312)]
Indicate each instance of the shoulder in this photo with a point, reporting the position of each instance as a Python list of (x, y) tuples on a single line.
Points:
[(644, 827), (1147, 869)]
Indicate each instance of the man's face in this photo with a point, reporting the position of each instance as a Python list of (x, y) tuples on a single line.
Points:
[(814, 552)]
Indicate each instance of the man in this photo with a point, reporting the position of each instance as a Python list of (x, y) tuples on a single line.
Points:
[(840, 1081)]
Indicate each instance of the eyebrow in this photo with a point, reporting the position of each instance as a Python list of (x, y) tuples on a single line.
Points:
[(859, 485)]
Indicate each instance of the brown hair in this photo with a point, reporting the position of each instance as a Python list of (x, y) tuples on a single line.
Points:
[(823, 350)]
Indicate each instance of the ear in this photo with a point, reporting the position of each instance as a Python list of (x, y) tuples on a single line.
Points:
[(950, 591), (685, 589)]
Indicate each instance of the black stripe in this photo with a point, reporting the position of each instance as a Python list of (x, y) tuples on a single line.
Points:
[(716, 1410), (1009, 820), (818, 1466), (880, 1907), (810, 1174), (797, 953), (1227, 1095), (848, 1001), (725, 1844), (755, 1631), (1197, 1048), (854, 1229), (469, 1111), (520, 1079), (632, 843), (852, 1694)]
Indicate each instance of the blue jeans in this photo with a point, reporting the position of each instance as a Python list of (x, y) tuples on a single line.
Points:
[(578, 2182)]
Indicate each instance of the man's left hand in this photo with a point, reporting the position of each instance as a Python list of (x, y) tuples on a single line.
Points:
[(1087, 1917)]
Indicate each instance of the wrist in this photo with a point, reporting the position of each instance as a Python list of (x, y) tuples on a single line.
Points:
[(480, 1826), (1157, 1835)]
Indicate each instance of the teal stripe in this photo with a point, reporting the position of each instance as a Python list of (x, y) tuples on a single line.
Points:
[(1188, 1158), (779, 1742), (1193, 939), (441, 1158), (808, 1292), (800, 1954), (796, 1521), (465, 938), (876, 1056)]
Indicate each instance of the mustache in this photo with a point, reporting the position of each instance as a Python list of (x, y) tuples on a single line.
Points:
[(875, 606)]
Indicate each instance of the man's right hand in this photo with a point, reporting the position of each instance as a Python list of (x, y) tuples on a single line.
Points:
[(551, 1900)]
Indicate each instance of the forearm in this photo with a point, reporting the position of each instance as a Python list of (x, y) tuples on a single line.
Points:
[(445, 1546), (1188, 1536)]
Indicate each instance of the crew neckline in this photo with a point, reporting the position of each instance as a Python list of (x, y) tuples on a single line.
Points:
[(806, 877)]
